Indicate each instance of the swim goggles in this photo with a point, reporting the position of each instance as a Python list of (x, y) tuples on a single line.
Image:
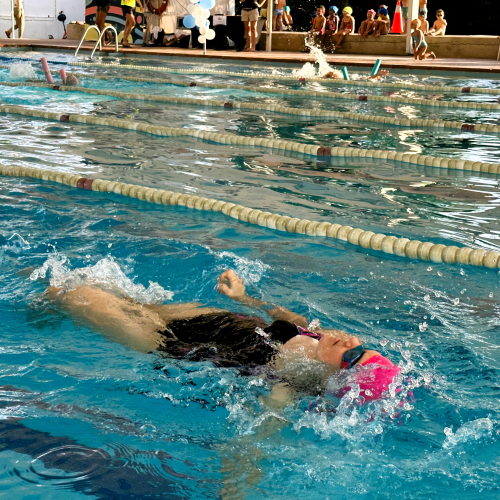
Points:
[(352, 356)]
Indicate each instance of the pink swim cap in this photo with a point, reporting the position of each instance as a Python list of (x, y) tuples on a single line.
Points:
[(373, 379)]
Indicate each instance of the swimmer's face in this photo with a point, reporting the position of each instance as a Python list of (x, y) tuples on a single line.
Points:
[(370, 15), (331, 349), (319, 11)]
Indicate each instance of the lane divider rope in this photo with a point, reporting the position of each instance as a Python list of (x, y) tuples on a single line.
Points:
[(330, 95), (402, 247), (358, 117), (274, 144), (291, 78)]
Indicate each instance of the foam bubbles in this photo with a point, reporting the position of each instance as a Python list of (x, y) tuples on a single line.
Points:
[(105, 274)]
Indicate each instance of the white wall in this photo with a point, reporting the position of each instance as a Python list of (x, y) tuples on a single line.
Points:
[(41, 16)]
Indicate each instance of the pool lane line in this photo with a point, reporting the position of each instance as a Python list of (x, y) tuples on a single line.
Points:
[(402, 247), (281, 146), (357, 83), (475, 106), (356, 117)]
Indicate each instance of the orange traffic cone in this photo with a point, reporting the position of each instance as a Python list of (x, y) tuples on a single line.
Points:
[(397, 24)]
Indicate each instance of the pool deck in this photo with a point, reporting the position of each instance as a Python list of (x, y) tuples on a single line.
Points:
[(395, 62)]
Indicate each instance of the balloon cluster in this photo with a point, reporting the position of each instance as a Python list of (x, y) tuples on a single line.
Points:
[(199, 12)]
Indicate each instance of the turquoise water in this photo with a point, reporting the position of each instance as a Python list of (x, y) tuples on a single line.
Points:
[(85, 417)]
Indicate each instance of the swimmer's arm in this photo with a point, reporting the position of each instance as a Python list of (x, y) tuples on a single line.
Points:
[(230, 284)]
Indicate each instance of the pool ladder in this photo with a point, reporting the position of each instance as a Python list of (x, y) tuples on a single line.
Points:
[(99, 40)]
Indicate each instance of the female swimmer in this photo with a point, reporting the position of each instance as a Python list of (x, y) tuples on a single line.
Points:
[(188, 331)]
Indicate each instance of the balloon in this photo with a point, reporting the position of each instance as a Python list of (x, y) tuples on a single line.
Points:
[(189, 22), (210, 35), (199, 21), (190, 8), (198, 11), (195, 1), (201, 39), (212, 4), (207, 23), (206, 13), (206, 4), (203, 30)]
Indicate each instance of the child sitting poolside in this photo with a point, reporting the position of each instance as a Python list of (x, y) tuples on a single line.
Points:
[(318, 27), (346, 27), (332, 26), (368, 25), (440, 24), (424, 24), (418, 42), (383, 22)]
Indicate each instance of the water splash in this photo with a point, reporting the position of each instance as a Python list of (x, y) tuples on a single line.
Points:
[(105, 274), (22, 71), (476, 430), (323, 69), (250, 271)]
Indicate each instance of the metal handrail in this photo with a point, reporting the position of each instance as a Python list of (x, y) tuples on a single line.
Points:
[(85, 34), (100, 38)]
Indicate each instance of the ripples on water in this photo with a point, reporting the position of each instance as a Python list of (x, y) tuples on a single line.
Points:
[(84, 416)]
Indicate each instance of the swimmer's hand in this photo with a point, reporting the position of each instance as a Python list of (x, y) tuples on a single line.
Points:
[(230, 284)]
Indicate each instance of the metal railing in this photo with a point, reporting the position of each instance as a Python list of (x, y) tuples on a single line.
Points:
[(85, 34), (111, 28)]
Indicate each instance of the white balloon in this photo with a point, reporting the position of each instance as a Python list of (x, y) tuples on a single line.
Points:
[(206, 13), (210, 34), (190, 8), (201, 39), (203, 31), (199, 21), (195, 1), (198, 11)]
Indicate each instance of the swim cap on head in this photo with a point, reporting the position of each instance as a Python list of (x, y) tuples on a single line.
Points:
[(383, 11), (372, 11), (287, 9), (348, 10), (334, 8)]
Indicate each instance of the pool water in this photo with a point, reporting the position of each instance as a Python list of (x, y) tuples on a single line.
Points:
[(86, 417)]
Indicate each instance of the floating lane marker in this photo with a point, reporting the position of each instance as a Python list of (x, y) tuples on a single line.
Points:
[(274, 144), (291, 78), (402, 247), (310, 93), (357, 117)]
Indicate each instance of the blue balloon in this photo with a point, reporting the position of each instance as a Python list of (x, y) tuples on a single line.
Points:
[(189, 21), (206, 4), (207, 23)]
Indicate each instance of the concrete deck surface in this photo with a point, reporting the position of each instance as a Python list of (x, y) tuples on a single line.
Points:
[(395, 62)]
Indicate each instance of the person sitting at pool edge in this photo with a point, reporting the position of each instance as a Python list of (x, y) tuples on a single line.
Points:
[(227, 339), (383, 22), (440, 24), (346, 27), (318, 28), (368, 25), (331, 28), (424, 24), (418, 42)]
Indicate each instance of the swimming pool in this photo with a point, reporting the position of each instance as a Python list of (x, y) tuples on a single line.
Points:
[(87, 417)]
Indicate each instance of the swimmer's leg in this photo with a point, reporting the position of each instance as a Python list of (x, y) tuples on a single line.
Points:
[(123, 320)]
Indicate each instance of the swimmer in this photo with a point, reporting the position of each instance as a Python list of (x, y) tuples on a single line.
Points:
[(71, 80), (227, 339)]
